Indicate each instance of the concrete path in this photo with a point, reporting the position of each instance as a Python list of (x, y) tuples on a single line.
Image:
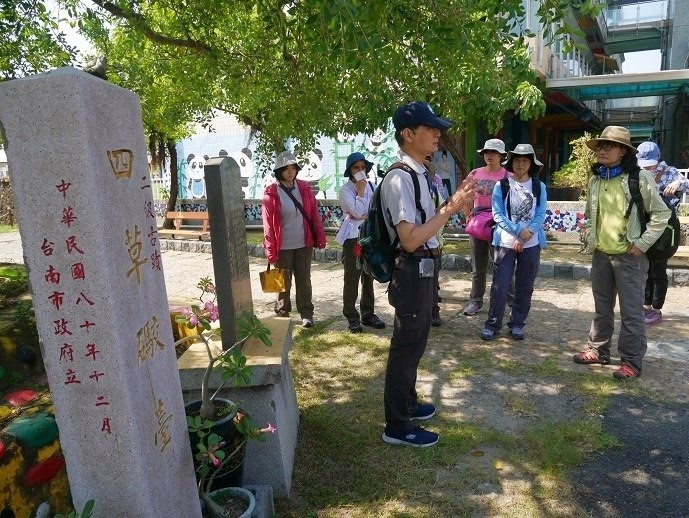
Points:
[(652, 430), (569, 301)]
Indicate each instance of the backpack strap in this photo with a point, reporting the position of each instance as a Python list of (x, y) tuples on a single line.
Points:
[(417, 187), (417, 196), (635, 192), (505, 187), (535, 190)]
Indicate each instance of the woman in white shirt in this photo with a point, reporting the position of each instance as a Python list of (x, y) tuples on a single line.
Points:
[(355, 198)]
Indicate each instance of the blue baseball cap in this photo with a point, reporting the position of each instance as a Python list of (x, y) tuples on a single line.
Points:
[(353, 159), (413, 114), (648, 153)]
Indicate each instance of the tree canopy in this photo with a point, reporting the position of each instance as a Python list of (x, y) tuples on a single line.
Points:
[(321, 67), (306, 68), (30, 41)]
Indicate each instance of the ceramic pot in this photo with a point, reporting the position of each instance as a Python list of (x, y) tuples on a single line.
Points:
[(228, 499), (232, 471)]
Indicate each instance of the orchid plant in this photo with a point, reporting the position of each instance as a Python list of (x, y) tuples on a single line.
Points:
[(212, 450)]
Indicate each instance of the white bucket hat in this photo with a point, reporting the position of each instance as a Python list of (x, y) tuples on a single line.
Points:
[(493, 144), (522, 150), (284, 159)]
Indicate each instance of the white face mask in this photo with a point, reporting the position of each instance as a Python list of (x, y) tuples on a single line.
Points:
[(359, 176)]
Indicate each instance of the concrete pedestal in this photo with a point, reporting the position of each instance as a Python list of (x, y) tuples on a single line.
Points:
[(270, 398)]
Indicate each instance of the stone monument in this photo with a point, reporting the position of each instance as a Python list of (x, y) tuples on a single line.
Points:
[(228, 242), (79, 172)]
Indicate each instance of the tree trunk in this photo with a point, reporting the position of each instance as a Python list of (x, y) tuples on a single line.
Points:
[(452, 144), (174, 181)]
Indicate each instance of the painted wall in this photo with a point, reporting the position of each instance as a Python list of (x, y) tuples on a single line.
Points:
[(323, 168)]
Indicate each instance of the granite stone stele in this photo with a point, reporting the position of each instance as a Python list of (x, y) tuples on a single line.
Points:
[(79, 170)]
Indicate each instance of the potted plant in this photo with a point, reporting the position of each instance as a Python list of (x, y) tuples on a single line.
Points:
[(573, 177), (218, 428)]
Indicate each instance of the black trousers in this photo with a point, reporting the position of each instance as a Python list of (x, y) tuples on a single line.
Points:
[(412, 298), (350, 290), (656, 284)]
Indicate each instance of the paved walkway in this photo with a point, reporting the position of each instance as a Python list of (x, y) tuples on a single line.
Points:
[(653, 430), (562, 301)]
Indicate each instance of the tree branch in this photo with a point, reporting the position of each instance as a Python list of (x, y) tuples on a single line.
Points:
[(139, 22)]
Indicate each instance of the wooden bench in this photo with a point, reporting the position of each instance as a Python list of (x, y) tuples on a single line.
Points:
[(183, 227)]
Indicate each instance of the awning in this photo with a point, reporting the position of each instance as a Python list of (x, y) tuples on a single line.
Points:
[(617, 86)]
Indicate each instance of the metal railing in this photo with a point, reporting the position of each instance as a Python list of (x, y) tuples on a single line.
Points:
[(643, 12)]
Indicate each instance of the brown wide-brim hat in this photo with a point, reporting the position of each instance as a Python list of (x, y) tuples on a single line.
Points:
[(618, 134)]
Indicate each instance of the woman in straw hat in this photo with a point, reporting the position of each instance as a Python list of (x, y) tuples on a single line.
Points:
[(292, 226), (619, 264)]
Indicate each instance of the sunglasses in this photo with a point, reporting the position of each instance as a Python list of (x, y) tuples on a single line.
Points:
[(606, 146)]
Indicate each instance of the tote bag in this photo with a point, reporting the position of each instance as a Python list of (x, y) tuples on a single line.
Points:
[(272, 281)]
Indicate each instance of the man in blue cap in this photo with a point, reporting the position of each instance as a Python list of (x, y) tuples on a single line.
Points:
[(415, 221), (355, 198)]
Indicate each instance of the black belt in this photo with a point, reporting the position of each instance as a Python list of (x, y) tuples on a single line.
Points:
[(422, 251)]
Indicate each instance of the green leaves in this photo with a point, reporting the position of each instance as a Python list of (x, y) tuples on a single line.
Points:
[(29, 40), (302, 69)]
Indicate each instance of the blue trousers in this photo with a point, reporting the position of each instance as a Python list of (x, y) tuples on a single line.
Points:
[(523, 266)]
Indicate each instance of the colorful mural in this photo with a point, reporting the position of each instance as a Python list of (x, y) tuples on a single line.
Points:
[(323, 166)]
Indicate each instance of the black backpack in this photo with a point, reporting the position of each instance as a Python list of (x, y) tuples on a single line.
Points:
[(668, 242), (377, 252)]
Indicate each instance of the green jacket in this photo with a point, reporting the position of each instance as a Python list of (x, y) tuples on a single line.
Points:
[(653, 204)]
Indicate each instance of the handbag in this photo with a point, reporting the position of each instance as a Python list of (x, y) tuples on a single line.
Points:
[(272, 281), (480, 225)]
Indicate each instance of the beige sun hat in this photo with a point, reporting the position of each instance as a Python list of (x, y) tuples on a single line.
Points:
[(493, 144), (618, 134)]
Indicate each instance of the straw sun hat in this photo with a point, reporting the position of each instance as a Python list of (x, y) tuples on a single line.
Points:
[(618, 134)]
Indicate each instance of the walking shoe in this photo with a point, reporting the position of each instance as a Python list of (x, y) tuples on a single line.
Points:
[(589, 357), (374, 322), (417, 438), (435, 318), (307, 322), (282, 313), (424, 411), (517, 333), (488, 334), (626, 372), (653, 317), (472, 308), (355, 326)]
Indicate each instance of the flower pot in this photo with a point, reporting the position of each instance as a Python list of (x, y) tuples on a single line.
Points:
[(232, 502), (231, 473)]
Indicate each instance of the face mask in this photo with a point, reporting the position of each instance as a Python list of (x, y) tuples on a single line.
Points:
[(359, 176)]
